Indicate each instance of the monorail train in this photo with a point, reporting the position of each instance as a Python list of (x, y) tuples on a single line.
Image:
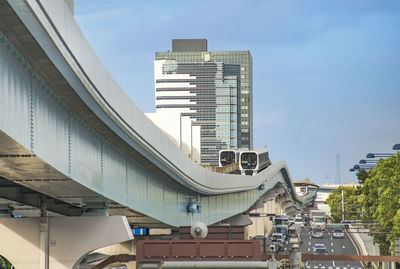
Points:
[(228, 156), (251, 162)]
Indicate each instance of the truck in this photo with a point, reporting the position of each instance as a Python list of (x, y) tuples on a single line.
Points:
[(318, 219), (294, 235)]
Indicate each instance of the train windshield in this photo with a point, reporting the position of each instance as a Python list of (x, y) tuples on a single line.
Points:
[(249, 160), (227, 157)]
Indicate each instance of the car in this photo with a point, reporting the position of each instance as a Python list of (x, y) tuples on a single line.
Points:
[(278, 237), (299, 220), (317, 233), (277, 242), (282, 229), (337, 233), (320, 249)]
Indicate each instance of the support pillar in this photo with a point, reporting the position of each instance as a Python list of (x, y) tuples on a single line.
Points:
[(44, 234), (70, 239)]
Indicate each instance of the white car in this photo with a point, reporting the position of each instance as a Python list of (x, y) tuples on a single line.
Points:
[(278, 237), (299, 221), (317, 233), (320, 249), (337, 233)]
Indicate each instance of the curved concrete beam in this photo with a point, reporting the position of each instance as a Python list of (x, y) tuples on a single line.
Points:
[(65, 59), (55, 29)]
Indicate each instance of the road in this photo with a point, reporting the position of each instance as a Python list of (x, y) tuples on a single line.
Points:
[(333, 246)]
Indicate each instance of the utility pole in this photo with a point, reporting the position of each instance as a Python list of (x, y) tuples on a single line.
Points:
[(342, 207)]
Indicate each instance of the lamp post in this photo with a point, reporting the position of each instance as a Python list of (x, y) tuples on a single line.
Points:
[(368, 164), (365, 167), (378, 155), (368, 161)]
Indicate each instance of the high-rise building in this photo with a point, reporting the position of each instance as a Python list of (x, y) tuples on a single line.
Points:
[(209, 94)]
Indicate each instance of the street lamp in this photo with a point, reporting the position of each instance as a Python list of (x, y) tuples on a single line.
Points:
[(368, 161), (378, 155), (365, 167)]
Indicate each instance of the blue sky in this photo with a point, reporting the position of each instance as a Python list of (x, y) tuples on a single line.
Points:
[(326, 74)]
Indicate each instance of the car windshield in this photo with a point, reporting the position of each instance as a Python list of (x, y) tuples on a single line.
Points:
[(280, 229), (338, 231), (279, 221), (320, 250), (317, 230), (276, 236)]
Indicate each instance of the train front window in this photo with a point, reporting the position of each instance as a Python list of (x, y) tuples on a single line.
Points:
[(227, 157), (249, 160)]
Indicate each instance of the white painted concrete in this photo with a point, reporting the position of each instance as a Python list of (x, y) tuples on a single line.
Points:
[(70, 238)]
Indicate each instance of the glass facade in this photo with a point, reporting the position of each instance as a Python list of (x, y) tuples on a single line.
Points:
[(242, 59), (208, 93)]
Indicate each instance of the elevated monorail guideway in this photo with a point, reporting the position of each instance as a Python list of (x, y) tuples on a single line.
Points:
[(90, 145)]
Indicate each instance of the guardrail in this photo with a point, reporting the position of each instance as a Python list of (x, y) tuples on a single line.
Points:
[(198, 250)]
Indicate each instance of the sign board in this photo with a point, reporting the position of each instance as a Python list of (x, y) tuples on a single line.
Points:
[(397, 246)]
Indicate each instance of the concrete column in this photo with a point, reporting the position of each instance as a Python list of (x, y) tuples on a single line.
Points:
[(44, 242), (278, 210), (269, 209), (43, 234), (70, 239)]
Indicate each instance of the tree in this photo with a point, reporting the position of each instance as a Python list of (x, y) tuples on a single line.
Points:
[(381, 192), (352, 200), (4, 263), (362, 175)]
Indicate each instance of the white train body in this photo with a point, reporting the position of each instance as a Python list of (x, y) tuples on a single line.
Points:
[(251, 162)]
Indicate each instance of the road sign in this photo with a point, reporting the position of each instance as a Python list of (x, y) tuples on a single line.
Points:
[(397, 246)]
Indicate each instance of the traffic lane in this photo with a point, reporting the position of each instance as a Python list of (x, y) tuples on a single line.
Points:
[(334, 246), (344, 246), (307, 247), (309, 241), (341, 245)]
